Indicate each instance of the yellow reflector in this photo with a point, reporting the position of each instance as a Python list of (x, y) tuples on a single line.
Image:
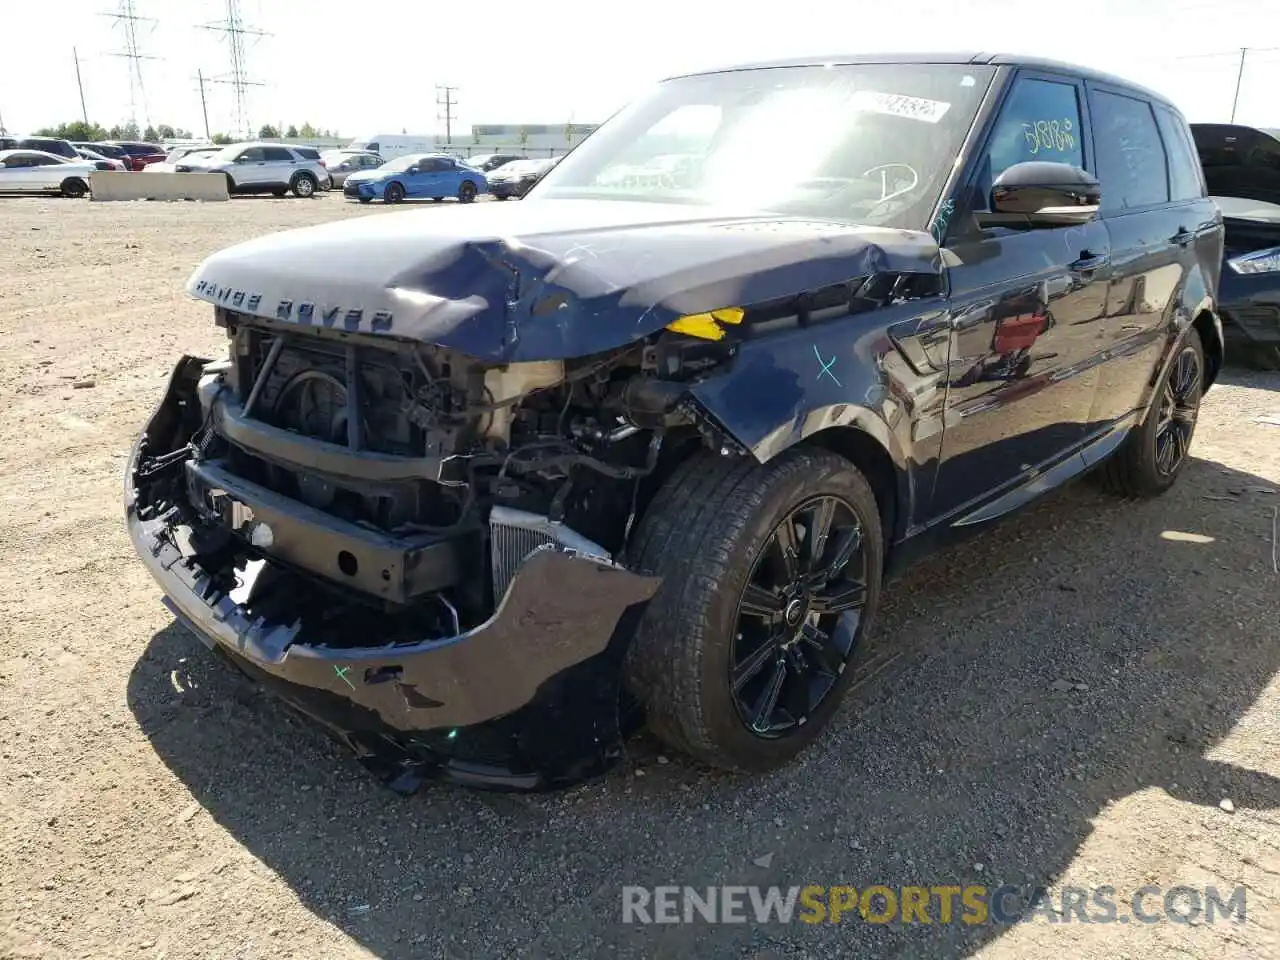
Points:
[(706, 325)]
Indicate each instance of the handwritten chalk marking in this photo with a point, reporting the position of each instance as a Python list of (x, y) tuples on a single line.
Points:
[(826, 366), (342, 675)]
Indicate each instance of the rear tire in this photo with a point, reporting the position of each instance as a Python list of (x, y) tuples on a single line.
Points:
[(74, 187), (1155, 453), (711, 532), (393, 193), (303, 185)]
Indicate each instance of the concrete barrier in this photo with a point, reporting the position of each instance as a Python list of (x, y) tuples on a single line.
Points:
[(117, 185)]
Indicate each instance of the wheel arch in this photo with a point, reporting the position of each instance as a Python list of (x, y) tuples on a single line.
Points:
[(888, 482)]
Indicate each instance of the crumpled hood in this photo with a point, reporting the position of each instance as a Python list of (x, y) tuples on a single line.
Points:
[(539, 280)]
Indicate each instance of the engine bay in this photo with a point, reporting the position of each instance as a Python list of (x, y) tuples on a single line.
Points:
[(407, 476)]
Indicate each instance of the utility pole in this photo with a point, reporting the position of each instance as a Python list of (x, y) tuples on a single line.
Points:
[(445, 99), (2, 128), (1239, 76), (84, 112), (204, 106)]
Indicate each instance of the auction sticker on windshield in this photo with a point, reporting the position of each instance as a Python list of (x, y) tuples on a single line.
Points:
[(899, 105)]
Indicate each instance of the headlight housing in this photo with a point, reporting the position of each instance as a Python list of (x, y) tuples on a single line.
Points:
[(1260, 261)]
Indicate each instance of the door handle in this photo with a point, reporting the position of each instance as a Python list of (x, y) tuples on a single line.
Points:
[(1088, 263), (1182, 237)]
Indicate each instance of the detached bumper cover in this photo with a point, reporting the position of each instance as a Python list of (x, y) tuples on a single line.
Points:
[(527, 700)]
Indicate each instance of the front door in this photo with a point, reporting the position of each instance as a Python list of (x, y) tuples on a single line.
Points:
[(1025, 309)]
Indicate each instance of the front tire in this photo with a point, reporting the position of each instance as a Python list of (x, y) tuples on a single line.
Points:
[(741, 659), (1155, 453), (466, 192), (393, 193), (74, 187)]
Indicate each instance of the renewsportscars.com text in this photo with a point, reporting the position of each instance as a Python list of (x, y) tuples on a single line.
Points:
[(945, 903)]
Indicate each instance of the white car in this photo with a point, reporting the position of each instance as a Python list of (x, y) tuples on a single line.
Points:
[(34, 171), (182, 154)]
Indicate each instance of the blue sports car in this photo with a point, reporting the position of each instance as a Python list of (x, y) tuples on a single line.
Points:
[(433, 175)]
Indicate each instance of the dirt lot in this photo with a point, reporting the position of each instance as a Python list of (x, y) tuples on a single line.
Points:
[(1067, 701)]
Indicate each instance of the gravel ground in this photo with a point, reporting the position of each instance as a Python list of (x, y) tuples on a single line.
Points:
[(1066, 700)]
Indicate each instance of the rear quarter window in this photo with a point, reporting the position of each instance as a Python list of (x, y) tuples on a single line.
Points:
[(1185, 179)]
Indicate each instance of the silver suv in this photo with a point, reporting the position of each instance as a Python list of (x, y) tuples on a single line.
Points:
[(261, 168)]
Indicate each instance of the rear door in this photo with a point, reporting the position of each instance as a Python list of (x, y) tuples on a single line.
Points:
[(1156, 215), (1025, 306), (280, 165)]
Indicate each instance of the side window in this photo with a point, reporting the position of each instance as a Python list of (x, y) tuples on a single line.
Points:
[(252, 155), (1039, 121), (434, 165), (1184, 165), (277, 154), (1131, 159)]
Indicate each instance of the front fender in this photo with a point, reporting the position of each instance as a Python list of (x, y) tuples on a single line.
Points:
[(787, 388)]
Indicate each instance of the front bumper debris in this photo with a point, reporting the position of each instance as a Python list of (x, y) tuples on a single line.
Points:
[(529, 699)]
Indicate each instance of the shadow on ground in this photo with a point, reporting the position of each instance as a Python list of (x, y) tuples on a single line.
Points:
[(956, 748)]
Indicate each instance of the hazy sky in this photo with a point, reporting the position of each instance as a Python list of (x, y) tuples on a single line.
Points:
[(363, 67)]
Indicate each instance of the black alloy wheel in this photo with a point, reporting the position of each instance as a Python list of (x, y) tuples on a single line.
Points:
[(394, 193), (466, 192), (1179, 406), (798, 616)]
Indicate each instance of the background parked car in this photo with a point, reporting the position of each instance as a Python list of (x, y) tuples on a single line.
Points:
[(140, 155), (8, 143), (485, 162), (515, 178), (182, 154), (342, 163), (433, 175), (99, 161), (34, 171), (108, 150), (1242, 169), (261, 168), (58, 147)]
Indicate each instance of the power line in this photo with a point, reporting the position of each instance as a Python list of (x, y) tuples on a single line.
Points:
[(235, 30), (126, 17), (445, 98)]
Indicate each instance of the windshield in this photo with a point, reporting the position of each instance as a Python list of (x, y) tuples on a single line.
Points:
[(881, 138), (401, 163)]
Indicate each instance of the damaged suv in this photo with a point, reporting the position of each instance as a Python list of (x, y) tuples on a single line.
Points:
[(482, 492)]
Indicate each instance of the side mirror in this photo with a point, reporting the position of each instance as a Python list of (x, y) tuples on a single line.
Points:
[(1041, 193)]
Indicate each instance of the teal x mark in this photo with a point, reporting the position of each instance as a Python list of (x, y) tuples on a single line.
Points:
[(826, 366), (342, 675)]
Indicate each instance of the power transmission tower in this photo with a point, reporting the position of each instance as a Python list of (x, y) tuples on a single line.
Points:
[(126, 17), (236, 30), (445, 99)]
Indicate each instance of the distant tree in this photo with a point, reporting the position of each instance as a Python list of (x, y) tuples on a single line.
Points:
[(307, 131), (150, 134), (127, 132), (268, 132), (221, 139), (76, 130), (292, 132), (524, 136), (166, 132)]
